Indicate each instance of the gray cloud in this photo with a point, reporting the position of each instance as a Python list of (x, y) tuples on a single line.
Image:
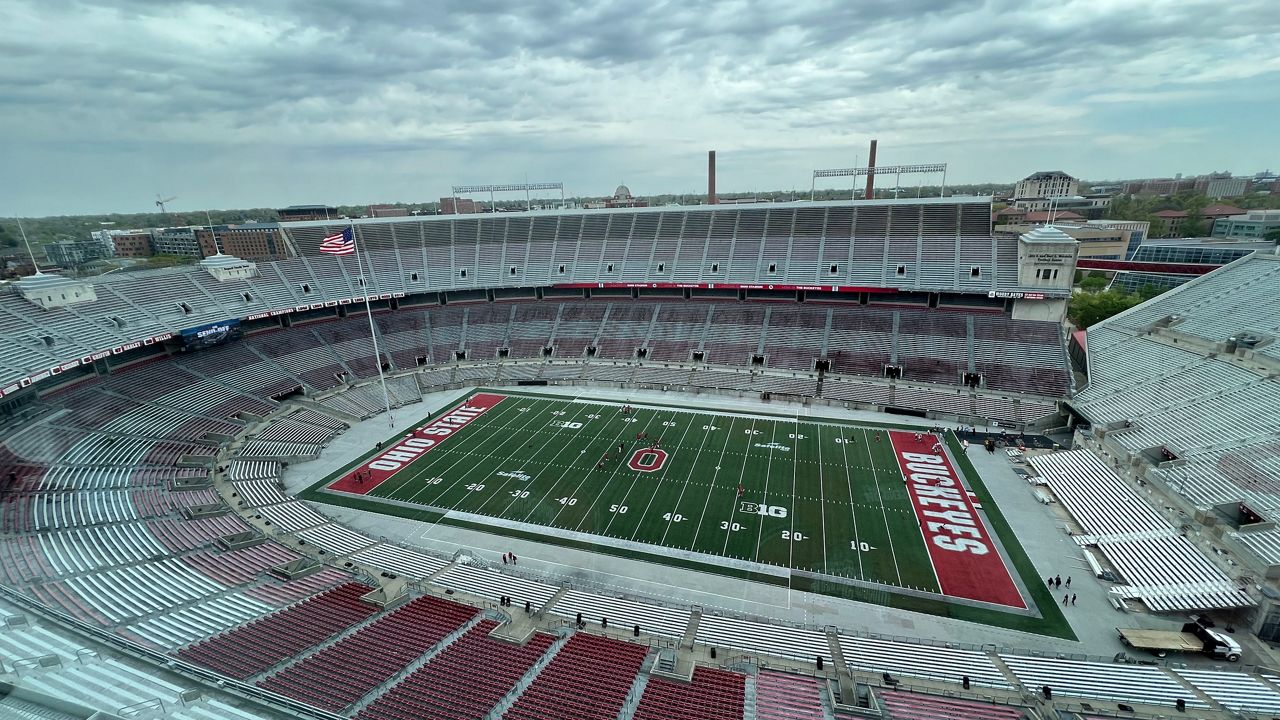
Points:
[(233, 102)]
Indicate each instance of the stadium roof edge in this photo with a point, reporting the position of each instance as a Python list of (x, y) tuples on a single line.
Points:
[(1208, 277), (954, 200)]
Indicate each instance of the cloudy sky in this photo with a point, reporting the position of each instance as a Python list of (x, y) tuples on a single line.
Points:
[(250, 103)]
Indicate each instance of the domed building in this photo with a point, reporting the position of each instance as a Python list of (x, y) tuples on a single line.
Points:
[(622, 198)]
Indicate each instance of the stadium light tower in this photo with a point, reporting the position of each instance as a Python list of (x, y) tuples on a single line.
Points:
[(896, 171), (510, 187)]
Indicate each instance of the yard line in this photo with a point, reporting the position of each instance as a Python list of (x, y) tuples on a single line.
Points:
[(694, 467), (698, 528), (734, 511), (546, 464), (764, 499), (471, 455), (822, 498), (443, 450), (609, 481), (657, 486), (853, 508), (626, 427), (875, 476), (795, 468)]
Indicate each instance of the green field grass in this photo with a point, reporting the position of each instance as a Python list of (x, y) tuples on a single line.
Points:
[(820, 498)]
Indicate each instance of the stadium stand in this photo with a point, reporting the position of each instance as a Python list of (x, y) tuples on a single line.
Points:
[(909, 706), (95, 529), (710, 694), (1161, 567), (346, 671), (780, 696), (1181, 390), (589, 678)]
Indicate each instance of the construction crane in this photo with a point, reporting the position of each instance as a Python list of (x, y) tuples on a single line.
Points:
[(161, 201)]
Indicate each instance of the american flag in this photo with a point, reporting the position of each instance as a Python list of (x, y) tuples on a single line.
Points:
[(343, 243)]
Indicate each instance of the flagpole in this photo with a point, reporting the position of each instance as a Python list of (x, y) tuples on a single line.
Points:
[(373, 335)]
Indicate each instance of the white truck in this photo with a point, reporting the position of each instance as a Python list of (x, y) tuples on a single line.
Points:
[(1194, 638)]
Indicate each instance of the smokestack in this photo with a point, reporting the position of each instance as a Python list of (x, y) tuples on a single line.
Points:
[(871, 173), (711, 177)]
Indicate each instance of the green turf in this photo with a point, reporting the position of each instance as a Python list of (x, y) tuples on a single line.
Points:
[(833, 500)]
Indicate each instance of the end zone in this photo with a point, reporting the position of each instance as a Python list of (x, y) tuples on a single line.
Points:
[(376, 470), (964, 556)]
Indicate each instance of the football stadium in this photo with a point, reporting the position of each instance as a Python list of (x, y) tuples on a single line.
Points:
[(811, 460)]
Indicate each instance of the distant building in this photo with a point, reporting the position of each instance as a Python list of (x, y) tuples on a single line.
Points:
[(1254, 224), (1098, 243), (1169, 222), (176, 241), (378, 211), (1200, 251), (250, 241), (1092, 207), (1044, 217), (1046, 184), (1217, 211), (1136, 232), (299, 213), (70, 253), (1228, 187), (459, 206), (622, 198), (127, 243)]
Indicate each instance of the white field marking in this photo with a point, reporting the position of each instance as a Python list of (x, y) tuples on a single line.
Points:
[(764, 500), (626, 428), (707, 503), (666, 468), (658, 485), (853, 508), (875, 477), (429, 468), (924, 540), (547, 464), (476, 466), (427, 464), (585, 471), (701, 446), (822, 498), (728, 533)]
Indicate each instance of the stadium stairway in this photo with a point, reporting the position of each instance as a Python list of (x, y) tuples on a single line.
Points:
[(414, 666), (513, 695)]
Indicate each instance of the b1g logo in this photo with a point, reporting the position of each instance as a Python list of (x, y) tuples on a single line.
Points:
[(751, 508), (647, 460)]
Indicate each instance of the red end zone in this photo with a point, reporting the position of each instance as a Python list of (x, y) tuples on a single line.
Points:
[(419, 441), (960, 546)]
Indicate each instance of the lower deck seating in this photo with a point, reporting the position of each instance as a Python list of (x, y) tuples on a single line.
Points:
[(589, 679), (250, 649), (344, 672), (911, 706), (464, 681), (780, 696), (711, 695)]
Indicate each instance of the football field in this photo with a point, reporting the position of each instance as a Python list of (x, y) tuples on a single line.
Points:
[(846, 503)]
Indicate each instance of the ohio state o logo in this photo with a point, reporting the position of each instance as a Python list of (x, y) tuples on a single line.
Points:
[(647, 460)]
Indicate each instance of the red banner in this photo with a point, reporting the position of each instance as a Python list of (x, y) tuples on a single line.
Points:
[(964, 557), (723, 286), (420, 441)]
